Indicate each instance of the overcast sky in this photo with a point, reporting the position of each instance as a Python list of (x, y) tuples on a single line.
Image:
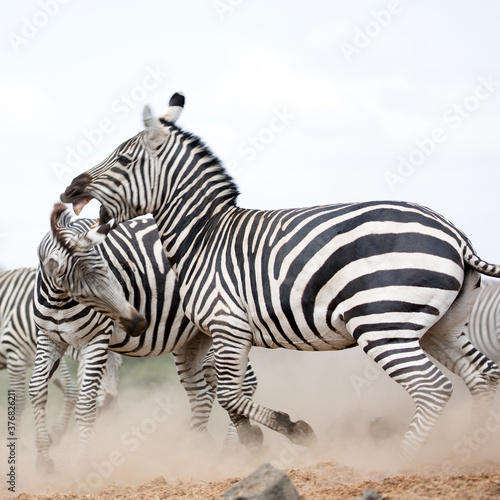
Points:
[(304, 102)]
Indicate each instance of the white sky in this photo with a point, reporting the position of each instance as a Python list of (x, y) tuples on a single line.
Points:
[(351, 104)]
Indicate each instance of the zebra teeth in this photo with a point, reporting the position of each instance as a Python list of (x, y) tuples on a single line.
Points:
[(78, 205)]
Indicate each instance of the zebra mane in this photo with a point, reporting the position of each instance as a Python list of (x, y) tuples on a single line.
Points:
[(196, 142)]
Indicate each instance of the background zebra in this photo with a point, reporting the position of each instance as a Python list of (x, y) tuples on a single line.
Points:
[(395, 278), (484, 322), (81, 289), (18, 348)]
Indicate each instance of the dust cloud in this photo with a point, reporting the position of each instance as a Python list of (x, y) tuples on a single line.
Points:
[(358, 414)]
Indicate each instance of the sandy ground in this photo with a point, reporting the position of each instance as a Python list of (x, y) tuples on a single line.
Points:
[(144, 450)]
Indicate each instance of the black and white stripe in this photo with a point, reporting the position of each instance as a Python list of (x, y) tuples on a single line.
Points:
[(395, 278), (83, 288), (484, 321), (18, 335)]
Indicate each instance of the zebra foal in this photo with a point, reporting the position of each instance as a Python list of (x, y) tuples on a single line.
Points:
[(116, 296), (395, 278)]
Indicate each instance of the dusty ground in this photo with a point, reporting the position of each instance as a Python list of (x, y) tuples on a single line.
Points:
[(143, 449)]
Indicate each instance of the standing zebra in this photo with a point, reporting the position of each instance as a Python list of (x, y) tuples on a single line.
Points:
[(484, 321), (82, 288), (18, 347), (395, 278)]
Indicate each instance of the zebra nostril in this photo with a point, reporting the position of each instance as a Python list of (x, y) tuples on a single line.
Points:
[(135, 325)]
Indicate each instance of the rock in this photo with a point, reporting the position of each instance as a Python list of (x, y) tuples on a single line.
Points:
[(370, 494), (266, 483)]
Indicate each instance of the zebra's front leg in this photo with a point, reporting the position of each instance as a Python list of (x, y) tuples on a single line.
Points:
[(62, 378), (231, 359), (94, 356), (252, 435), (189, 364), (48, 355)]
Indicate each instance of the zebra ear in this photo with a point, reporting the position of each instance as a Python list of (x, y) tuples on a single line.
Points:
[(154, 131), (52, 265), (94, 236), (175, 107)]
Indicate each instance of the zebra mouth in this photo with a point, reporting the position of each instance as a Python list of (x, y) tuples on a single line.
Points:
[(76, 193)]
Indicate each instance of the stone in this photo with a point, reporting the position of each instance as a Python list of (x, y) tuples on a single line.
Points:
[(266, 483)]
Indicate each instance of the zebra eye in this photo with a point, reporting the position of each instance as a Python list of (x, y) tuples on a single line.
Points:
[(124, 160)]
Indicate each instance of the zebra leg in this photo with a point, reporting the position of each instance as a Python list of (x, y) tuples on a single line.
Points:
[(48, 356), (62, 378), (248, 389), (404, 361), (480, 374), (447, 342), (17, 369), (201, 394), (231, 361), (94, 357)]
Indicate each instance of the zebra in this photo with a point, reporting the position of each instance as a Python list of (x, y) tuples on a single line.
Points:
[(81, 289), (394, 278), (484, 321), (18, 348)]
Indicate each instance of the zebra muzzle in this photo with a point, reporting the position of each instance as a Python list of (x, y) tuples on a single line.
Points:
[(134, 326)]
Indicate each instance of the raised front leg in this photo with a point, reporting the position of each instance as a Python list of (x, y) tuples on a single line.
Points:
[(62, 378), (48, 356), (94, 358), (231, 359)]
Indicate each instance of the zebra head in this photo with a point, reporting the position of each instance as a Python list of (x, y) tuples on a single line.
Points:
[(126, 179), (71, 267)]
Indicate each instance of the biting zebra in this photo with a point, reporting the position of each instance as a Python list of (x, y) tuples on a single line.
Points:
[(118, 296), (18, 348), (484, 321), (394, 278)]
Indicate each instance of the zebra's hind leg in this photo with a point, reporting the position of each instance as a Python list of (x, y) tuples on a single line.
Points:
[(481, 375), (447, 343), (231, 358), (17, 368), (48, 355), (62, 378), (403, 359)]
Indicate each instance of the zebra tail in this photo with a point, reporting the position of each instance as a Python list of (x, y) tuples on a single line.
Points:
[(480, 265)]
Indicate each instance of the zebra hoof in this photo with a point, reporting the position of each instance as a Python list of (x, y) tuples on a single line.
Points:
[(302, 434), (45, 465), (251, 437)]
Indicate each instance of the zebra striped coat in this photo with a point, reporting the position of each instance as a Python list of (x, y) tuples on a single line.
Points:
[(80, 291), (484, 322), (395, 278), (18, 348)]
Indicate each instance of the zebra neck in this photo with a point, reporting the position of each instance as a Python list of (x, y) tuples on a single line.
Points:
[(185, 224)]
